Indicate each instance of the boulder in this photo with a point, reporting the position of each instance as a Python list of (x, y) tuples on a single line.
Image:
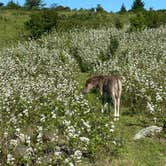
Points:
[(147, 132)]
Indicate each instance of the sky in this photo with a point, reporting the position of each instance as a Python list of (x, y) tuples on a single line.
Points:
[(109, 5)]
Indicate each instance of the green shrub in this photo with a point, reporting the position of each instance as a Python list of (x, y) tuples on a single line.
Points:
[(137, 22), (41, 22), (118, 23), (147, 19), (84, 66)]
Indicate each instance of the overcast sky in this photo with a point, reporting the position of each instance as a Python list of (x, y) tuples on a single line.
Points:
[(109, 5)]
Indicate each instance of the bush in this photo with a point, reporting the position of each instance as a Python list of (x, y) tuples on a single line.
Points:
[(147, 19), (118, 23), (41, 22), (138, 22)]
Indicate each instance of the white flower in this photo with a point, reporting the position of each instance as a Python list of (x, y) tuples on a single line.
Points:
[(26, 113), (112, 126), (53, 115), (84, 139), (71, 164), (10, 159), (57, 153), (18, 130), (111, 130), (158, 97), (86, 124), (78, 154), (5, 134), (43, 118), (150, 107), (13, 142), (39, 128)]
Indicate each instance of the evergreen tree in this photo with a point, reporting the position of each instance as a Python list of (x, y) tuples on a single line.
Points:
[(34, 4), (1, 4), (138, 5), (99, 8), (12, 5), (123, 9)]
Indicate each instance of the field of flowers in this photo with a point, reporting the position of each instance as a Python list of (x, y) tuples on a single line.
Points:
[(45, 119)]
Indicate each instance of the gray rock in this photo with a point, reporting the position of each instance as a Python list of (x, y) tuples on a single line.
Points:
[(147, 132), (21, 150)]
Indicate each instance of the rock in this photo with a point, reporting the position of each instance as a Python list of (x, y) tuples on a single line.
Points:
[(147, 132), (21, 150)]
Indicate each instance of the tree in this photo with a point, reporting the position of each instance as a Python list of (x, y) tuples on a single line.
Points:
[(123, 9), (1, 4), (99, 8), (41, 22), (34, 4), (138, 5), (12, 5)]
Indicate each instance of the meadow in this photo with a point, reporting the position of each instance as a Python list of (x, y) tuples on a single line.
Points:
[(12, 26), (45, 120)]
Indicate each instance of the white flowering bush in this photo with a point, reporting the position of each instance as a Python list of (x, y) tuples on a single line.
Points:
[(44, 117), (139, 58)]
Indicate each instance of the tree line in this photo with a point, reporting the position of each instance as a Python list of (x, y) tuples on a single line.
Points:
[(47, 18), (138, 5)]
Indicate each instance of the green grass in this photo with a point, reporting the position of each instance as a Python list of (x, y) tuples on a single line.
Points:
[(12, 21), (12, 26), (146, 152)]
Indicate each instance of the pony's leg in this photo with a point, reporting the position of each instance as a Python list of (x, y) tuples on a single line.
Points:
[(102, 109), (118, 105), (109, 107), (103, 102), (115, 108)]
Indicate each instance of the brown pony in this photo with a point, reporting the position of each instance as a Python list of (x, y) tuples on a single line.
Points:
[(110, 87)]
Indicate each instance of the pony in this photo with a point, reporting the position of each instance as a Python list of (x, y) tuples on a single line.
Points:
[(110, 87)]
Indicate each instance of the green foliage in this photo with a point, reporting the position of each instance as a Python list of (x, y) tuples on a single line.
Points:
[(99, 8), (138, 5), (118, 23), (147, 19), (12, 5), (155, 19), (1, 4), (60, 8), (85, 19), (84, 66), (138, 22), (41, 22), (123, 9), (34, 4), (114, 44)]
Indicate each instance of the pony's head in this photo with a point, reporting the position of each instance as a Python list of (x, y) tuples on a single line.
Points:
[(89, 85)]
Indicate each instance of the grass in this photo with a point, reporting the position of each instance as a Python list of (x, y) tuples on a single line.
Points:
[(12, 22), (12, 26), (146, 152)]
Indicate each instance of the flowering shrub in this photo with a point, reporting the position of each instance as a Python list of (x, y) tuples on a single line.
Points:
[(44, 117)]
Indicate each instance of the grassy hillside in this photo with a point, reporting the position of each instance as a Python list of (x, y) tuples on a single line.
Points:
[(12, 26), (46, 120), (12, 22)]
